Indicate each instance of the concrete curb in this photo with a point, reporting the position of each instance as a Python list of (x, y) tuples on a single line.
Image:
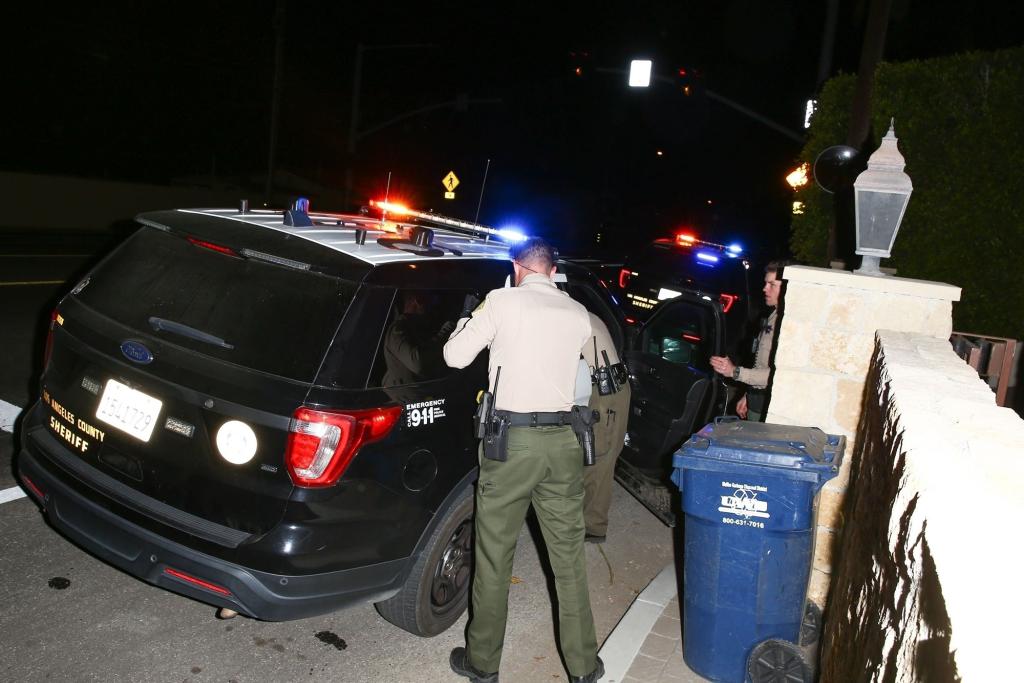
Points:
[(626, 639)]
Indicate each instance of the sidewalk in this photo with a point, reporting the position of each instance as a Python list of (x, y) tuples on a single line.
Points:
[(646, 645)]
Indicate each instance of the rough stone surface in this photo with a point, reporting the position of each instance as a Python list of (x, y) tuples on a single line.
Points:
[(848, 312), (823, 356), (824, 546), (924, 580), (801, 398), (849, 399), (805, 302), (818, 588), (830, 507), (791, 348), (843, 353)]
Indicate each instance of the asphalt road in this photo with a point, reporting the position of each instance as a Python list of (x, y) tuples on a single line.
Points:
[(67, 616)]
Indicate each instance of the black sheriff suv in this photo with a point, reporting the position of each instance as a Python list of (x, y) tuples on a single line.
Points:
[(250, 408)]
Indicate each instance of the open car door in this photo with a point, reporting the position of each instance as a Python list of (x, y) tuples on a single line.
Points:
[(675, 393)]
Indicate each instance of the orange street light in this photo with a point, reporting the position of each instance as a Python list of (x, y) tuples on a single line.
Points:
[(799, 177)]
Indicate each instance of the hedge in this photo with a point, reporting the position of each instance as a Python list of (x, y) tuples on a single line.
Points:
[(960, 125)]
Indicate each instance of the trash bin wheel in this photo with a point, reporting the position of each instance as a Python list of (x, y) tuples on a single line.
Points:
[(810, 627), (777, 661)]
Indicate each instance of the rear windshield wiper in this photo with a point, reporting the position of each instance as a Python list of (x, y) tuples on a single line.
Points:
[(161, 325)]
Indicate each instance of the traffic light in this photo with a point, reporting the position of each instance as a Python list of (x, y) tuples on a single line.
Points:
[(687, 79), (579, 63)]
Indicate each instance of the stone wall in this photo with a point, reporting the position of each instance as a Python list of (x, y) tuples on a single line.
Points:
[(925, 585), (822, 357)]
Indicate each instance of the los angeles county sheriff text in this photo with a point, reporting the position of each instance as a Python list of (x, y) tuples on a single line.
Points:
[(72, 434)]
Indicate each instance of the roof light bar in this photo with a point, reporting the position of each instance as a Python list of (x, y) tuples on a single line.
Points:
[(512, 234), (687, 239), (455, 223)]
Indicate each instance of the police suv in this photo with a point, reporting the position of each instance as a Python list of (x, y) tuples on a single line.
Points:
[(214, 415), (664, 268)]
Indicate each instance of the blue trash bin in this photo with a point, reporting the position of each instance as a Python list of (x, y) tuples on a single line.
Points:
[(749, 499)]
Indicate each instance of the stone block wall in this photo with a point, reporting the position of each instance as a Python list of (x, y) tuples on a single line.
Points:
[(822, 356), (926, 579)]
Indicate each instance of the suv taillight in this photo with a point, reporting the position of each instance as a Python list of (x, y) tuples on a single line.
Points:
[(48, 349), (727, 300), (322, 443), (624, 277)]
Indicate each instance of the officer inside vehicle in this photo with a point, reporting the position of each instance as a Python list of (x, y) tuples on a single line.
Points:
[(412, 348), (529, 454)]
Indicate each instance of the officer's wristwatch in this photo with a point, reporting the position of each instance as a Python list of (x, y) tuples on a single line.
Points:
[(736, 372)]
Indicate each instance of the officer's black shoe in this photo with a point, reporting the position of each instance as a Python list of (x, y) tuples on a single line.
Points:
[(459, 661), (593, 538), (591, 677)]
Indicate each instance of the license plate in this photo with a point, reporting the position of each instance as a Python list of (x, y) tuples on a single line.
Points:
[(129, 410)]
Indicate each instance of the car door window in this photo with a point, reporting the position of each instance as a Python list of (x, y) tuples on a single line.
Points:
[(418, 326), (682, 335)]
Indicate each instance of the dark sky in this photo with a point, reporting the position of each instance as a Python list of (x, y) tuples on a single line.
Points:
[(163, 91)]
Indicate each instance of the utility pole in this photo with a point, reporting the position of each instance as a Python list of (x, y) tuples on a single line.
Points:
[(353, 119), (353, 122), (860, 115), (275, 98), (870, 55), (828, 42)]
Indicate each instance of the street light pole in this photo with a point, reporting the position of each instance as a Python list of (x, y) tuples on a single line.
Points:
[(777, 127)]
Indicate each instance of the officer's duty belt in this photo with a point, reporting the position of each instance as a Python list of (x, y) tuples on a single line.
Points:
[(536, 419)]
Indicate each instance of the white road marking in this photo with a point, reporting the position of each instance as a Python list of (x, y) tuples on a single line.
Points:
[(30, 283), (8, 414), (13, 493)]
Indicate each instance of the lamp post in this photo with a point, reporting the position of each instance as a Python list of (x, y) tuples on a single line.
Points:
[(881, 193), (641, 73)]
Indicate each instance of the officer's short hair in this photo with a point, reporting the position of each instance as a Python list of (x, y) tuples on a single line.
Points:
[(535, 252), (777, 267)]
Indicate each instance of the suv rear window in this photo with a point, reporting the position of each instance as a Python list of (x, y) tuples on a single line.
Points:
[(671, 261), (278, 319)]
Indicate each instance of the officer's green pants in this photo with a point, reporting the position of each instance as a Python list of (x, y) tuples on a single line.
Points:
[(544, 467), (609, 434)]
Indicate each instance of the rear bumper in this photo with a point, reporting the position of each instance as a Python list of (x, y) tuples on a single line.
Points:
[(178, 568)]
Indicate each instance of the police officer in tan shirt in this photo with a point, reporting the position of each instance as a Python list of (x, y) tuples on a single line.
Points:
[(535, 334), (753, 405)]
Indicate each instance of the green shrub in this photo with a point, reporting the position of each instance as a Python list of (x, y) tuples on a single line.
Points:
[(959, 124)]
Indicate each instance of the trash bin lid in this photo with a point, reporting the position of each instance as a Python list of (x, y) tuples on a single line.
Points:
[(772, 445)]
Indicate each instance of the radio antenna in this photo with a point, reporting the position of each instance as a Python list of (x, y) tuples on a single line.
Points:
[(480, 201)]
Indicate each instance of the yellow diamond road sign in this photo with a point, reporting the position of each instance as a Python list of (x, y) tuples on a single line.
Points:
[(450, 181)]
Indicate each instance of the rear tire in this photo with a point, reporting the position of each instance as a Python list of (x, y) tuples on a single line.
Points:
[(436, 592)]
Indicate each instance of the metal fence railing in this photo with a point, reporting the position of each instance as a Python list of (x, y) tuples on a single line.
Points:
[(992, 357)]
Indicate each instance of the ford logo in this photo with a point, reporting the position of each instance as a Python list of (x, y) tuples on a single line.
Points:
[(136, 352)]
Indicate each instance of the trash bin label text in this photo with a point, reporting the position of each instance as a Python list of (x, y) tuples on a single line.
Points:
[(743, 501)]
